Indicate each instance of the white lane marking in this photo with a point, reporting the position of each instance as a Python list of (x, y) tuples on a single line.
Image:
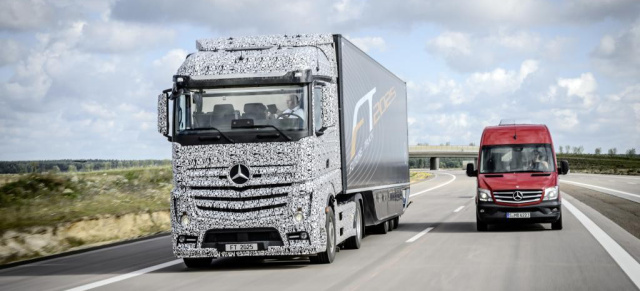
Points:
[(459, 208), (436, 187), (601, 176), (602, 188), (126, 276), (420, 234), (632, 183), (624, 260)]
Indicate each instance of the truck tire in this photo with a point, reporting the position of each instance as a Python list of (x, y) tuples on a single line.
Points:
[(197, 263), (558, 224), (383, 228), (396, 222), (355, 241), (391, 224), (329, 254)]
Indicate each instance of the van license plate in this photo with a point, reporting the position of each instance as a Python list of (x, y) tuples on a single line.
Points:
[(518, 214), (240, 247)]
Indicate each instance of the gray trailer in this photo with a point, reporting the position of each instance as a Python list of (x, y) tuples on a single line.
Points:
[(283, 146)]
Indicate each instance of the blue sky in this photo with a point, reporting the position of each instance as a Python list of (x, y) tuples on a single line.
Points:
[(80, 78)]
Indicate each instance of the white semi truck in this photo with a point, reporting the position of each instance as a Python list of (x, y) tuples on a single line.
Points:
[(286, 145)]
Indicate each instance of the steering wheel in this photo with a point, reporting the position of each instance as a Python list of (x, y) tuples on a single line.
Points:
[(282, 116)]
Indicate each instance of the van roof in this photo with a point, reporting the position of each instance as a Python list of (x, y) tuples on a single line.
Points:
[(524, 134)]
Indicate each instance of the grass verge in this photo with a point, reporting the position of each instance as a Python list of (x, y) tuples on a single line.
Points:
[(50, 199)]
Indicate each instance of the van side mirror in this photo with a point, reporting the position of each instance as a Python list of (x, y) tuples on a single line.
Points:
[(163, 114), (471, 172), (564, 167)]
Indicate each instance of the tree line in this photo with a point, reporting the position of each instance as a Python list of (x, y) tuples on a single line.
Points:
[(56, 166), (579, 150)]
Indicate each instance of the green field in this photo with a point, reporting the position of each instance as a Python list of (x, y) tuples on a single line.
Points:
[(48, 199), (602, 164)]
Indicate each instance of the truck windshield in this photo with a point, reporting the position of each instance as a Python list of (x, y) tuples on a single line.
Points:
[(517, 158), (284, 107)]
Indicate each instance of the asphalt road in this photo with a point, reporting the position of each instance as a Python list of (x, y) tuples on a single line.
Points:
[(436, 247), (627, 187)]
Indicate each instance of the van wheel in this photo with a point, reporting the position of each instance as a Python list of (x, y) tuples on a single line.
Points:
[(383, 228), (558, 224), (355, 241), (329, 254), (396, 222), (480, 225), (197, 263)]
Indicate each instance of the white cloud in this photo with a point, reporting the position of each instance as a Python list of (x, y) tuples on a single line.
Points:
[(466, 52), (25, 14), (10, 51), (501, 81), (565, 119), (618, 56), (583, 87), (369, 43), (116, 37)]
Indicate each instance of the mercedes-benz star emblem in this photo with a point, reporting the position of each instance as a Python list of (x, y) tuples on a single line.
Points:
[(517, 196), (239, 174)]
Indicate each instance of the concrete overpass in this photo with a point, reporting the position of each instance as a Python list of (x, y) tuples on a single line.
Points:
[(434, 153)]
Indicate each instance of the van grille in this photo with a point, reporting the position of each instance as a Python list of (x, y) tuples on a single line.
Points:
[(510, 196)]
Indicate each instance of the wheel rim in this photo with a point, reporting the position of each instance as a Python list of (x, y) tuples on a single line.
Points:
[(331, 234), (358, 224)]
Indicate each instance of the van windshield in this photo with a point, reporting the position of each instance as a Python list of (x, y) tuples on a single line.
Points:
[(517, 158)]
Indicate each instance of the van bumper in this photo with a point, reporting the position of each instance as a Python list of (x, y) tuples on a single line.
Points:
[(545, 212)]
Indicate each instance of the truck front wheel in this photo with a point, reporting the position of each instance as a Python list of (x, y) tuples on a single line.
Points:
[(355, 241), (327, 256), (197, 263)]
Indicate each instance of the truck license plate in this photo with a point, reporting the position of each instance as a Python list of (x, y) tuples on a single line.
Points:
[(518, 214), (240, 247)]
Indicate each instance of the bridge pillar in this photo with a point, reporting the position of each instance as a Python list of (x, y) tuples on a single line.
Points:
[(434, 163)]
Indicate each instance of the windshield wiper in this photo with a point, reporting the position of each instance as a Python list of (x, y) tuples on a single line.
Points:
[(264, 126), (213, 128)]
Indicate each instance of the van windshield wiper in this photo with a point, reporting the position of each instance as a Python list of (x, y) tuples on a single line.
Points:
[(213, 128)]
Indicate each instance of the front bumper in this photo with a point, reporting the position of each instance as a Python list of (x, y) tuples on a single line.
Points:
[(545, 212)]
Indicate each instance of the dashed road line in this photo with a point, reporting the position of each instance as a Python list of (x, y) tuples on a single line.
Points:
[(419, 235), (459, 208), (125, 276)]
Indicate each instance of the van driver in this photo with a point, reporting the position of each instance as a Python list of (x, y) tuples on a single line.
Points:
[(538, 163)]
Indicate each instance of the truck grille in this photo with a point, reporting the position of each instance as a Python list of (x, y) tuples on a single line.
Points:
[(254, 199), (510, 196)]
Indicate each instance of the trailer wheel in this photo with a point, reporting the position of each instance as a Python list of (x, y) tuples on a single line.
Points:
[(355, 241), (396, 222), (391, 225), (197, 263), (327, 256), (383, 228)]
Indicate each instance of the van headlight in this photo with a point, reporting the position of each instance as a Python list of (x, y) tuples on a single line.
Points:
[(484, 195), (551, 193)]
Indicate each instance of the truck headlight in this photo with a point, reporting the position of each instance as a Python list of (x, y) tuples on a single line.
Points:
[(184, 220), (551, 193), (484, 195)]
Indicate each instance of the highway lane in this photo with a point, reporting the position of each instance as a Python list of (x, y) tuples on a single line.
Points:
[(627, 187), (451, 255)]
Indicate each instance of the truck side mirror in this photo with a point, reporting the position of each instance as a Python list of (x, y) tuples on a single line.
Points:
[(471, 172), (564, 167), (328, 114), (163, 114)]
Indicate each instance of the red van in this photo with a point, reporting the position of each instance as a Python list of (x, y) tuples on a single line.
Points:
[(517, 176)]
